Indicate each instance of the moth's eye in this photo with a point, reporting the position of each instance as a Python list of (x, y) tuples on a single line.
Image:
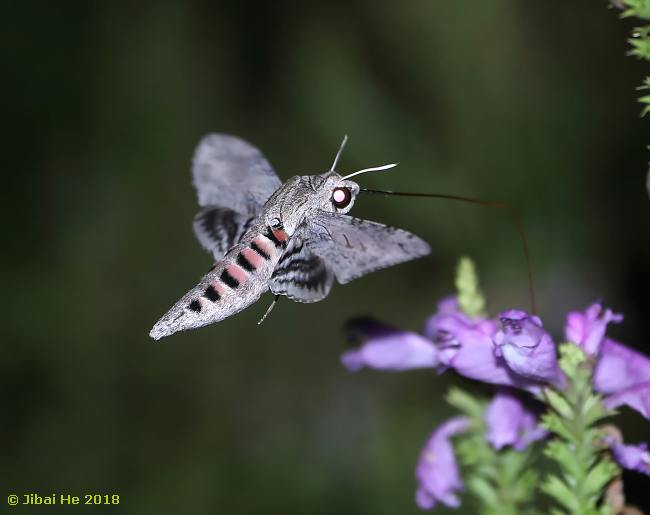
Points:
[(341, 197)]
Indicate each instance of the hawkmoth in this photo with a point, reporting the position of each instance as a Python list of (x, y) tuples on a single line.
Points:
[(293, 238)]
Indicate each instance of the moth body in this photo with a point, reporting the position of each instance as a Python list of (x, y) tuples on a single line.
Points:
[(293, 238), (231, 285)]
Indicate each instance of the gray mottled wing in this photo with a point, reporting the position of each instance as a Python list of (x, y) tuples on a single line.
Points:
[(219, 228), (300, 274), (352, 247), (229, 172)]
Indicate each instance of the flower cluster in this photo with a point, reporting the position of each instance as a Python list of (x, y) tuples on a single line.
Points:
[(514, 352)]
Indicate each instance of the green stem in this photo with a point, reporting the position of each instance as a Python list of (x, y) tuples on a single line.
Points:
[(576, 450)]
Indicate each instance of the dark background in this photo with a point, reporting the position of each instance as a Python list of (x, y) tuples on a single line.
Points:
[(529, 102)]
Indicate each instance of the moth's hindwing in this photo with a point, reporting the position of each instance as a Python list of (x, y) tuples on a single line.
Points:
[(219, 228), (300, 274)]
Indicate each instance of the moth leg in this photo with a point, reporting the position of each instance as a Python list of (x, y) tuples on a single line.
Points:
[(268, 311)]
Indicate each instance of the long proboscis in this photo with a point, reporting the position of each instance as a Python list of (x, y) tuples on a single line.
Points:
[(488, 203)]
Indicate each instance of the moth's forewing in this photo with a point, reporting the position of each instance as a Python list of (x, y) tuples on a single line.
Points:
[(230, 172), (353, 247)]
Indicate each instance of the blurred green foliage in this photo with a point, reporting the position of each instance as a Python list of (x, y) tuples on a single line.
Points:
[(528, 102), (578, 439), (499, 482), (468, 292)]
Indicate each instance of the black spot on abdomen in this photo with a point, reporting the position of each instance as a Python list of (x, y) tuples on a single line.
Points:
[(229, 279), (245, 263), (212, 294)]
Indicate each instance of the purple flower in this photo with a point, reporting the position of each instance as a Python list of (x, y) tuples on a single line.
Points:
[(587, 329), (623, 375), (437, 471), (527, 348), (387, 348), (509, 422), (465, 345), (454, 340), (451, 329), (449, 320), (631, 457), (619, 367), (636, 397)]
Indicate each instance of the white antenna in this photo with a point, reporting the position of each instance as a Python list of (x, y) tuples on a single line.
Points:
[(338, 154), (373, 169)]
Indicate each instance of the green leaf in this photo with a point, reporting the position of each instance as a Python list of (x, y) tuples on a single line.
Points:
[(638, 8), (600, 475), (645, 100), (466, 403), (640, 47), (470, 298), (557, 489), (555, 424), (593, 410), (482, 489), (513, 462), (523, 486), (557, 401), (606, 509), (561, 453)]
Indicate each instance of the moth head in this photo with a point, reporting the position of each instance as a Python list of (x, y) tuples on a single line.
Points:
[(344, 191), (340, 194), (302, 196)]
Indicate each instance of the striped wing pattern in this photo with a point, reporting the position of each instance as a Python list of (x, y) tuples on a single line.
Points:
[(300, 274), (233, 180), (218, 229)]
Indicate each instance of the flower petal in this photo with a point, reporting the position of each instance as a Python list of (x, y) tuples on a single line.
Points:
[(632, 457), (636, 397), (424, 499), (476, 359), (388, 349), (449, 320), (509, 422), (527, 348), (619, 368), (587, 329), (437, 471)]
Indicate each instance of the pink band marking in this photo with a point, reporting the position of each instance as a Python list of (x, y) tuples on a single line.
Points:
[(219, 287), (266, 245), (252, 257), (237, 273), (280, 235)]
